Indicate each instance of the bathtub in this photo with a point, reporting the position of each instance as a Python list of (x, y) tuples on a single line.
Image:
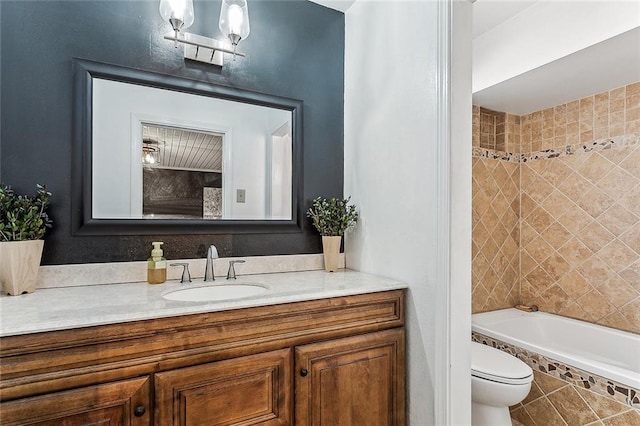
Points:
[(611, 354)]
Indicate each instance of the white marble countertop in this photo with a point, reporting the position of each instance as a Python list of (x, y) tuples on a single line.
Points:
[(49, 309)]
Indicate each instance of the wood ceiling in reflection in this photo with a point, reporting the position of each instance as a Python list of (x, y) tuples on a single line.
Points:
[(184, 149)]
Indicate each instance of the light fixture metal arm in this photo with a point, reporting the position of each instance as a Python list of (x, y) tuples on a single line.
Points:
[(204, 42)]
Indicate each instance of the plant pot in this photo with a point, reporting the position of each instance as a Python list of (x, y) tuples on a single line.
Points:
[(19, 263), (331, 251)]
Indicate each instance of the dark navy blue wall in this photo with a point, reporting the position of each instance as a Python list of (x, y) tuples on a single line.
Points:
[(295, 49)]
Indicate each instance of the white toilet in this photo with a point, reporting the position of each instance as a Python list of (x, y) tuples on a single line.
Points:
[(498, 380)]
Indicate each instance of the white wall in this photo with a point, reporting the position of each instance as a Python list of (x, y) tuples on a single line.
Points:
[(459, 403), (396, 147), (117, 104), (545, 32), (279, 173)]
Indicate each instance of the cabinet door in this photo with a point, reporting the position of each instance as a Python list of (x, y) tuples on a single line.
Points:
[(119, 403), (249, 390), (353, 381)]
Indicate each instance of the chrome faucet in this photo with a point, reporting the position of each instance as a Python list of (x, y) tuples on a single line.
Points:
[(186, 278), (212, 253), (231, 273)]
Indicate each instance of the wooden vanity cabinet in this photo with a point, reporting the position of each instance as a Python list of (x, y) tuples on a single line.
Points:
[(254, 389), (125, 402), (324, 362), (353, 381)]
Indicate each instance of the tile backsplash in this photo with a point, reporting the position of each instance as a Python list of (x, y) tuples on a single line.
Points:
[(569, 239), (73, 275)]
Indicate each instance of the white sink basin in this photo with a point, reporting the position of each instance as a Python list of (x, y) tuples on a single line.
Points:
[(215, 292)]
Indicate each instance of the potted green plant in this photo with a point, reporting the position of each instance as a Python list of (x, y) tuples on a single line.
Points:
[(332, 218), (23, 222)]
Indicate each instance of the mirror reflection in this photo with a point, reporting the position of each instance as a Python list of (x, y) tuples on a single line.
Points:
[(163, 154), (182, 173)]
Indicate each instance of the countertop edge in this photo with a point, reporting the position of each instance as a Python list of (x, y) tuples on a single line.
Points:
[(49, 311)]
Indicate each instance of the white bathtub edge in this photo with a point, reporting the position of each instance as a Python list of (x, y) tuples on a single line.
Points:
[(623, 376)]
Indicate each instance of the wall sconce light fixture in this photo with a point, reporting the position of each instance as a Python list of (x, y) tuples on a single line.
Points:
[(234, 24)]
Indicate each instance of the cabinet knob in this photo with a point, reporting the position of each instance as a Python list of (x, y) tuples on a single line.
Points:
[(304, 372), (139, 411)]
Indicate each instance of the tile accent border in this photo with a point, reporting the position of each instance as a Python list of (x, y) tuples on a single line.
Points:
[(571, 375), (598, 145), (496, 155)]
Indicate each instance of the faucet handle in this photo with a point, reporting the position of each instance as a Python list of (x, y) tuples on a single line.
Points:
[(186, 278), (231, 273)]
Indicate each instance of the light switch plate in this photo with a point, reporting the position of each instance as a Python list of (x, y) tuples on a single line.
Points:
[(240, 195)]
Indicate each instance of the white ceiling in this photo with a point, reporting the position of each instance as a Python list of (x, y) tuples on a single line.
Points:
[(489, 13), (572, 77), (184, 149), (603, 66)]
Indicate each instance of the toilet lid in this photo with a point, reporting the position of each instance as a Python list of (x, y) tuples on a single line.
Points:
[(493, 364)]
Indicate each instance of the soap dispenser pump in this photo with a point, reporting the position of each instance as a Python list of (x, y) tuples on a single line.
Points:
[(156, 265)]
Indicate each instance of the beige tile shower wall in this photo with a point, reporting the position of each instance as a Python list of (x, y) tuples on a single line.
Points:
[(579, 237), (580, 233), (580, 245), (495, 277), (475, 126), (603, 115), (489, 129), (513, 133)]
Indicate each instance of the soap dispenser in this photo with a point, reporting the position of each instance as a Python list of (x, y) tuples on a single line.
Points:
[(156, 265)]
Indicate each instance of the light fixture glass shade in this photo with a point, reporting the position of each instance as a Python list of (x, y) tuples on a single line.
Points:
[(179, 13), (234, 20), (150, 156)]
